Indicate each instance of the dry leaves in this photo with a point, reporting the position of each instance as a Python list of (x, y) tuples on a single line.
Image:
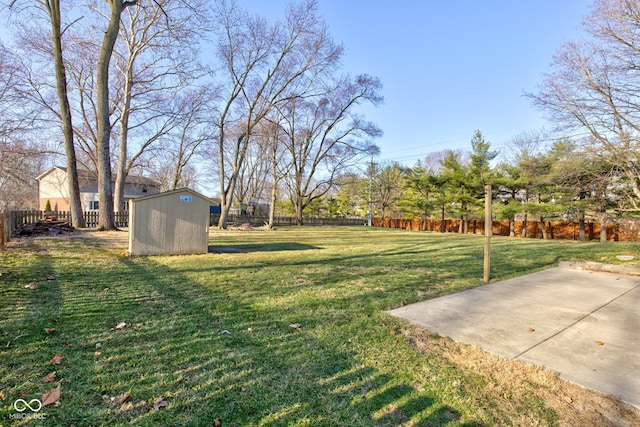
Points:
[(160, 403), (599, 343), (217, 423), (52, 397), (296, 326), (124, 399), (119, 326), (32, 286), (49, 378), (50, 330), (57, 359)]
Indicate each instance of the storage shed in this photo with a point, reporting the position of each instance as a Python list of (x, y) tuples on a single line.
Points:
[(171, 223)]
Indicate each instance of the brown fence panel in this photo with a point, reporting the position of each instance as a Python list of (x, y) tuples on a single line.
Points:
[(623, 230)]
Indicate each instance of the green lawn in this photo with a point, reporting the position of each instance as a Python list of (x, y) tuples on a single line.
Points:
[(209, 336)]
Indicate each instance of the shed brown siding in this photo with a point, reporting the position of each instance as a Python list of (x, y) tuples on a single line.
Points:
[(171, 223)]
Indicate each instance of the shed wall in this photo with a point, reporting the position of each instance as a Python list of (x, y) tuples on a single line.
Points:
[(167, 225)]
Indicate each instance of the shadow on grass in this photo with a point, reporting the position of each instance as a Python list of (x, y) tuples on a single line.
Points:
[(208, 355), (266, 247)]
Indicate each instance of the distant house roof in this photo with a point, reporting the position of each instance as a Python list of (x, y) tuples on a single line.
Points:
[(91, 176)]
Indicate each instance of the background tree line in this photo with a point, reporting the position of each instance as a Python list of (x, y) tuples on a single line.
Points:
[(204, 92), (534, 181), (183, 92)]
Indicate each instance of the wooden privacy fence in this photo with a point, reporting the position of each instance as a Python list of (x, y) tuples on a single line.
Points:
[(18, 218), (623, 230), (280, 221)]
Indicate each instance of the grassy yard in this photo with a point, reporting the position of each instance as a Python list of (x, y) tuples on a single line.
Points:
[(277, 328)]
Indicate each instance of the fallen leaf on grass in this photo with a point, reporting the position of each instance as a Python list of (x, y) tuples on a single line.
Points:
[(119, 326), (2, 397), (32, 286), (124, 399), (296, 326), (216, 423), (51, 277), (57, 359), (159, 403), (599, 343), (52, 397), (50, 330), (126, 407), (49, 378)]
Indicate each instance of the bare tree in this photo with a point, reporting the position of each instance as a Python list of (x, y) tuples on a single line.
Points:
[(388, 185), (254, 173), (156, 59), (593, 89), (106, 219), (173, 165), (265, 64), (326, 136), (53, 13)]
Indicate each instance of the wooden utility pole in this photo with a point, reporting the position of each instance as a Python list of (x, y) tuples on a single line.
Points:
[(488, 231)]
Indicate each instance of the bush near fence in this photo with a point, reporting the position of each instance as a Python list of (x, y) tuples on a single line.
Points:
[(623, 230)]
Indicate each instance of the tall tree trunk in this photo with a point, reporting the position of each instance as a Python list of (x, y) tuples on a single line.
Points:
[(75, 204), (512, 227), (106, 219), (226, 194), (443, 225), (523, 234), (603, 227), (298, 208), (581, 231), (274, 187), (121, 175)]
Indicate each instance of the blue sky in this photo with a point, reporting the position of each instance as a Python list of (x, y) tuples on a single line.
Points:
[(448, 67)]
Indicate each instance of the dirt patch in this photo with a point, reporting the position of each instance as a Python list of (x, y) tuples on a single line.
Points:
[(511, 383)]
